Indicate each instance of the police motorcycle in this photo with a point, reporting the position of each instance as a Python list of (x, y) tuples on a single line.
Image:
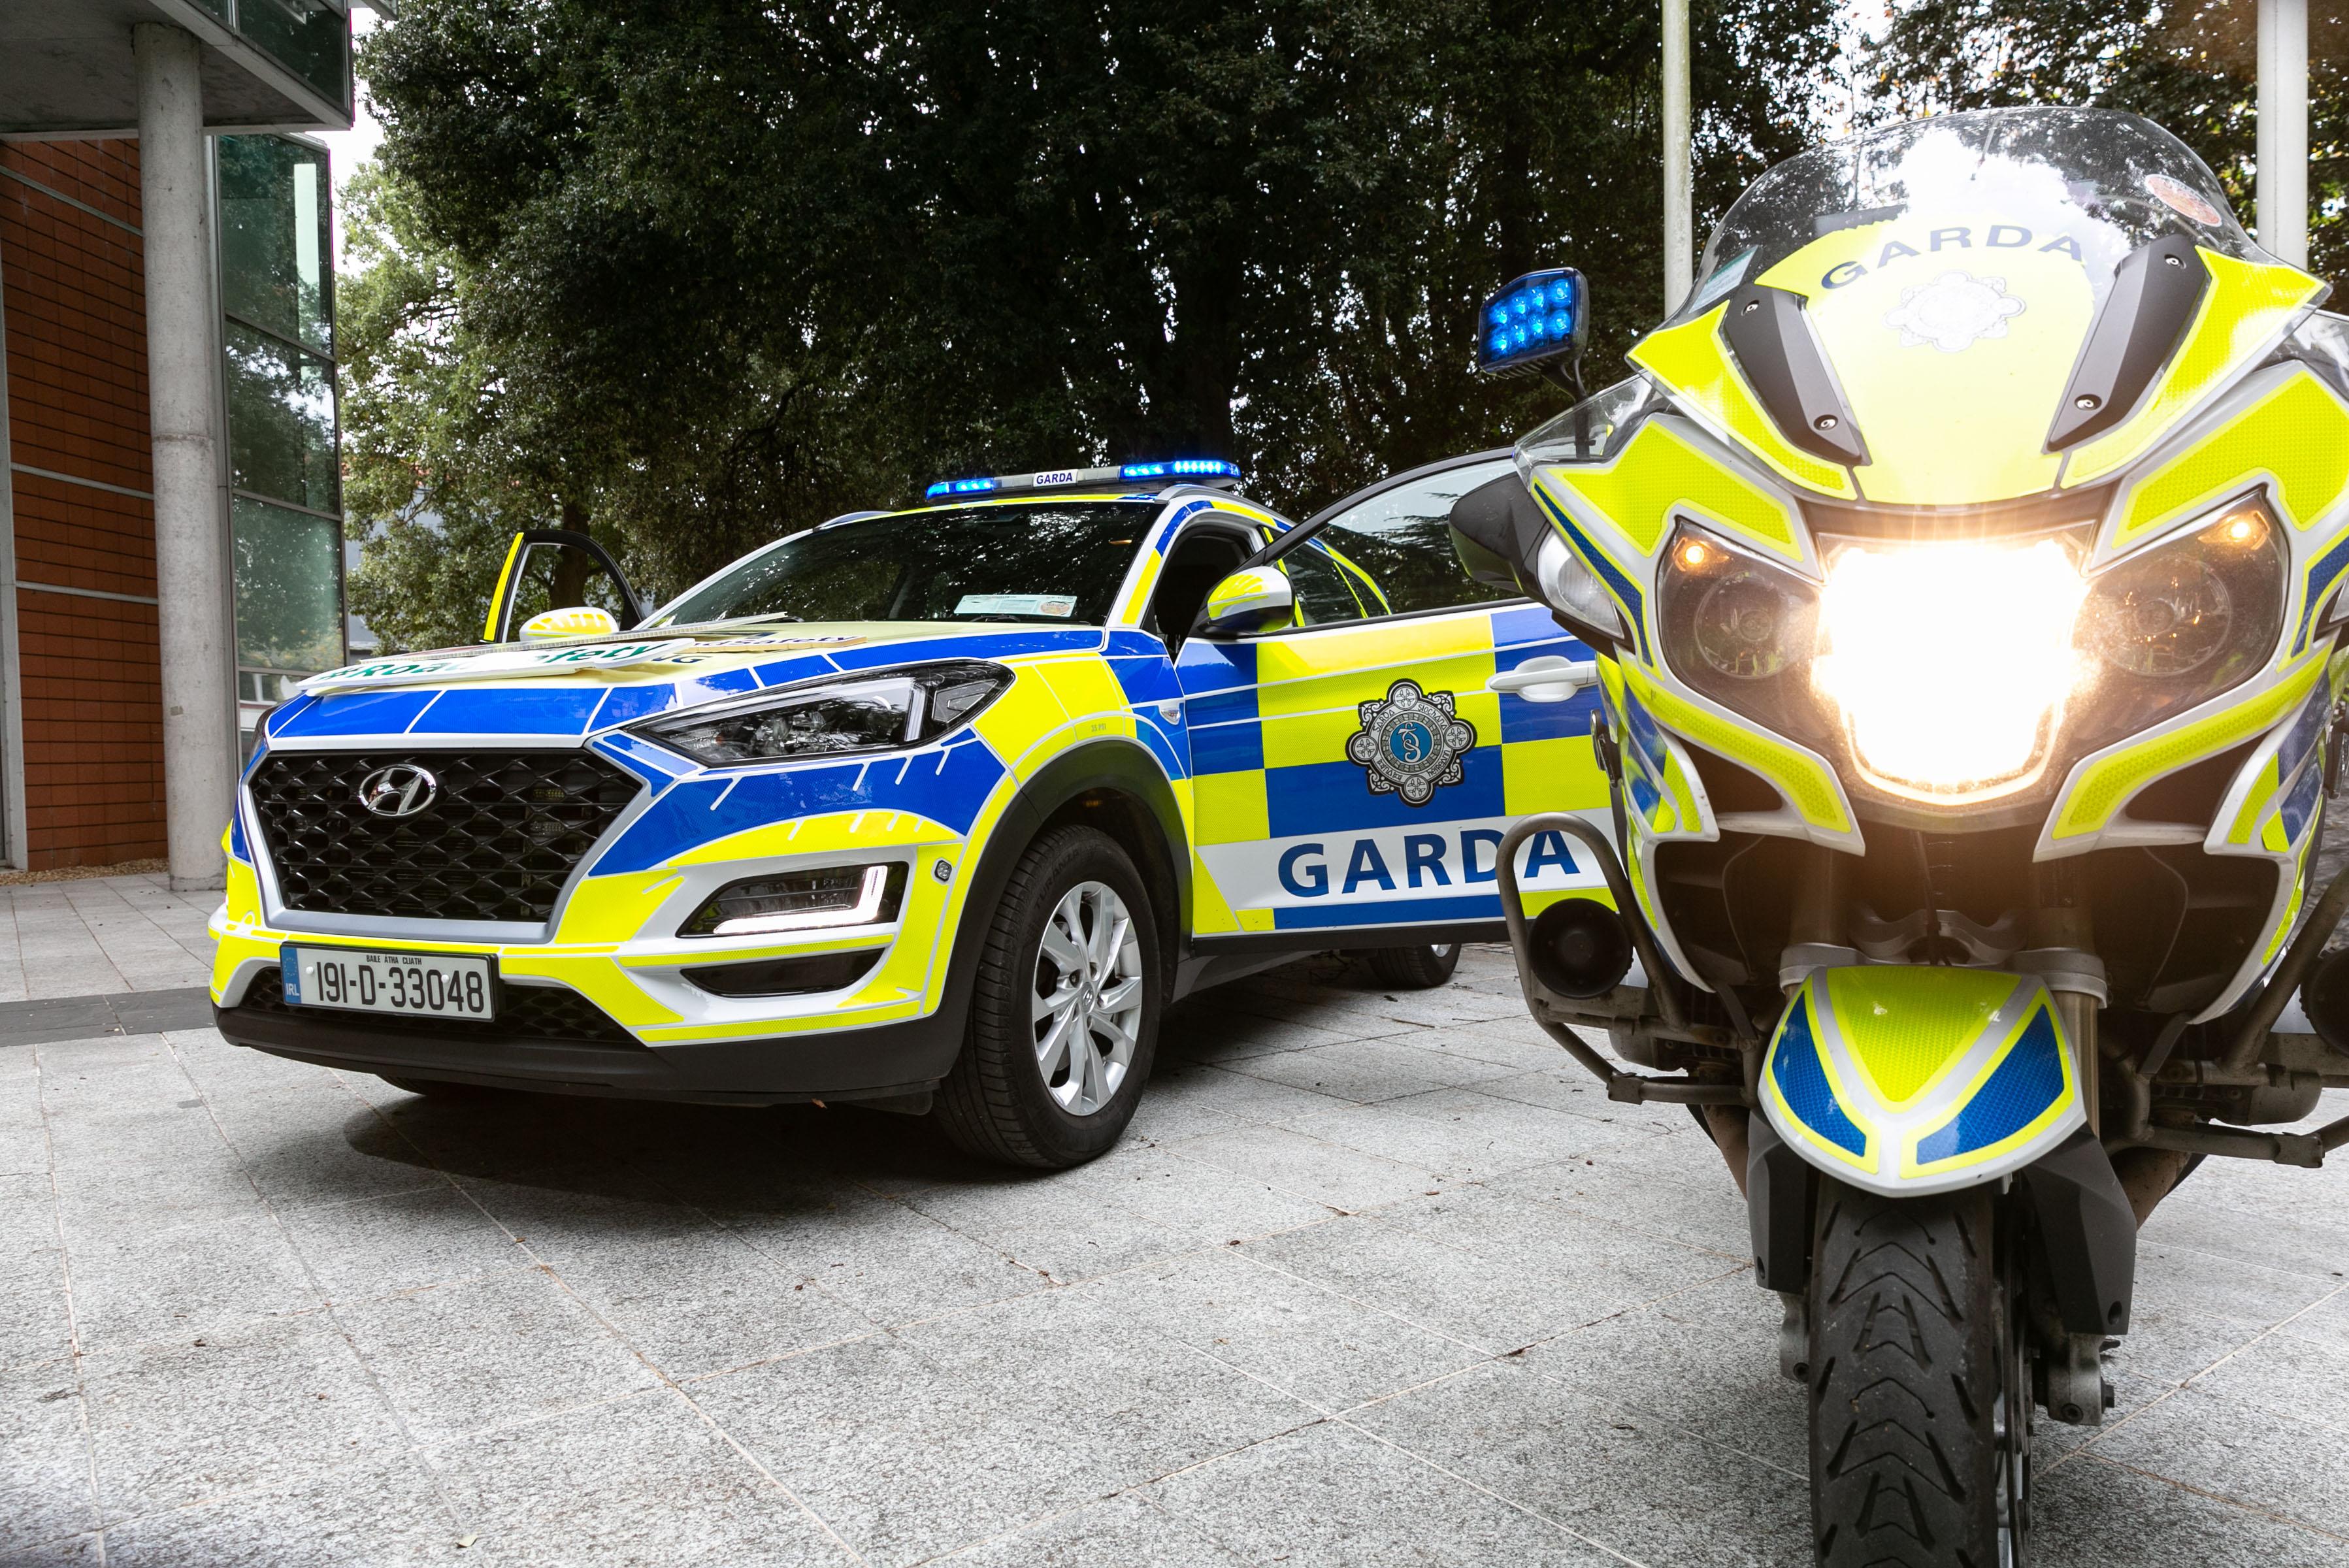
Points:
[(1963, 575)]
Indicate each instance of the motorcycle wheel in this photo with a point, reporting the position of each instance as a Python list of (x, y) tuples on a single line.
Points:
[(1920, 1391)]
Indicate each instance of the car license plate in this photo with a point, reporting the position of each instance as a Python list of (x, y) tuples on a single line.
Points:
[(428, 984)]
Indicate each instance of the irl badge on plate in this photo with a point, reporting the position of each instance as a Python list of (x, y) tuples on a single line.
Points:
[(1410, 743)]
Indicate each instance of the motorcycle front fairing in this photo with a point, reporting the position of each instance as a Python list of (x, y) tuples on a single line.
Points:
[(1993, 487)]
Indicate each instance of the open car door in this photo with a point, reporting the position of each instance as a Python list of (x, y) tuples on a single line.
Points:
[(559, 584), (1367, 719)]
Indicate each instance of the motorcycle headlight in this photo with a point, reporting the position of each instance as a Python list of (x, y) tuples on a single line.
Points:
[(1955, 671), (881, 711), (2180, 624), (1951, 663), (1741, 631)]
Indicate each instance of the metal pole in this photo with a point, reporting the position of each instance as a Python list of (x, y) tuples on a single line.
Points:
[(182, 378), (1680, 248), (2284, 129)]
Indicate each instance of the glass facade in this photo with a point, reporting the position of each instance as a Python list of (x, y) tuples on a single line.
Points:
[(277, 296), (312, 41)]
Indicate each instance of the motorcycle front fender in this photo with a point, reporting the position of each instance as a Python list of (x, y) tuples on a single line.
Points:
[(1914, 1078)]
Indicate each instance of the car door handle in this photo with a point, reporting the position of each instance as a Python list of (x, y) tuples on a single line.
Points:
[(1546, 679)]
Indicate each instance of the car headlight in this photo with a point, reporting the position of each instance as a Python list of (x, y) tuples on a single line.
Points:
[(1951, 663), (881, 711), (2180, 624)]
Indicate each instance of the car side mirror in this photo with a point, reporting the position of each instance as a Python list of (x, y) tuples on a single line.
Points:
[(1253, 599)]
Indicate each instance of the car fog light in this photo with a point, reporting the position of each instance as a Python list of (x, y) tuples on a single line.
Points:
[(800, 900)]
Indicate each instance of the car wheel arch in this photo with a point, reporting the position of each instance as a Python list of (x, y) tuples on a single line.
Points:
[(1113, 785)]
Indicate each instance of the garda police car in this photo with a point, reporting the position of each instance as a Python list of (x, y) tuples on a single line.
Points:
[(934, 810)]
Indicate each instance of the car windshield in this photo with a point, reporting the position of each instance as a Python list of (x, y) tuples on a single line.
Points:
[(2106, 181), (1054, 564)]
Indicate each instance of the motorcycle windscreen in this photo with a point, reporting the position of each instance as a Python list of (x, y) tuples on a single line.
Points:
[(1920, 1080), (1973, 308)]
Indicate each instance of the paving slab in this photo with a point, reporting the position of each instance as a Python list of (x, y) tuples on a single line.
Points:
[(1376, 1278)]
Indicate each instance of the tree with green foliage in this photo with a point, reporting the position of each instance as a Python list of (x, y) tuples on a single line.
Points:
[(2189, 65), (693, 273)]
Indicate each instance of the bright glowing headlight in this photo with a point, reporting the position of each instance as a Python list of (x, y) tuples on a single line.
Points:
[(1950, 664)]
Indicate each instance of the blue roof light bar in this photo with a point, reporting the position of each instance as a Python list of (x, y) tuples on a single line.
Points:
[(1201, 471)]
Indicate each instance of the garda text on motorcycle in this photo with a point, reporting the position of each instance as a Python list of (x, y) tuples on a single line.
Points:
[(1963, 566)]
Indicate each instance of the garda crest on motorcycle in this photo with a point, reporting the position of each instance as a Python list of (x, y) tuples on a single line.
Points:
[(1964, 564)]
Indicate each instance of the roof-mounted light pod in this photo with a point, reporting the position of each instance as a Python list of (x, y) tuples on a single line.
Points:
[(1531, 321)]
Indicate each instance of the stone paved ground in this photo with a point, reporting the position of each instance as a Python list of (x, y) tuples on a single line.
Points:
[(1376, 1280)]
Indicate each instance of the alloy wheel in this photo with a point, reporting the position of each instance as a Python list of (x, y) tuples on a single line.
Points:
[(1089, 997)]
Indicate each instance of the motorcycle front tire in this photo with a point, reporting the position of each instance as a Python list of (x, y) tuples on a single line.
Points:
[(1913, 1383)]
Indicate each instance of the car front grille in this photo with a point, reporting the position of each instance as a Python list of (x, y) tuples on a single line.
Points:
[(499, 837), (524, 1012)]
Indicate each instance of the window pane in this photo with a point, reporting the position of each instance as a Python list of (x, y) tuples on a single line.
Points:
[(1324, 592), (315, 46), (1401, 541), (281, 421), (289, 596), (274, 244)]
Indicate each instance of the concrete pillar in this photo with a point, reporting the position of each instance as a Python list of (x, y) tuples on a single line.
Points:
[(1680, 240), (2284, 129), (183, 390)]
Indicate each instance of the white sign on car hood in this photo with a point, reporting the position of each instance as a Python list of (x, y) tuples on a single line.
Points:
[(515, 662)]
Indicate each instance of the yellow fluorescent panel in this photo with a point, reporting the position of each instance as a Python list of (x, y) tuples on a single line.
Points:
[(1956, 419), (1231, 807), (2105, 786), (1659, 471), (1693, 360), (2246, 308), (2299, 433)]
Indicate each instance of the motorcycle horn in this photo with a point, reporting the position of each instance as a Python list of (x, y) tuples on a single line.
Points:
[(1580, 948)]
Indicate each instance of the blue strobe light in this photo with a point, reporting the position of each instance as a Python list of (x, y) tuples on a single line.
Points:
[(1531, 320)]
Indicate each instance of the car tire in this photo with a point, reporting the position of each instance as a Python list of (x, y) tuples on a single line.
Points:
[(1422, 967), (1064, 1009)]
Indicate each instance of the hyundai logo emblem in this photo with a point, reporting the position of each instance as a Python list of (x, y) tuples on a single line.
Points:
[(401, 790)]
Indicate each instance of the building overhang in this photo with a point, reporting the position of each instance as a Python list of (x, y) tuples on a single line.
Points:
[(67, 69)]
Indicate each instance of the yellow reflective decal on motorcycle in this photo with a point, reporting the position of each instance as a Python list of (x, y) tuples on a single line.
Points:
[(1693, 362), (1806, 782), (1910, 1078), (2248, 308), (2295, 436), (1953, 336), (1660, 473), (2099, 787)]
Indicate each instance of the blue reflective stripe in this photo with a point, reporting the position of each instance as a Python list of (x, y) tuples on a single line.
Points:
[(511, 710), (298, 702), (2300, 805), (1388, 912), (947, 784), (1526, 624), (2328, 565), (2024, 1084), (1801, 1081), (1230, 747), (357, 713), (1335, 798)]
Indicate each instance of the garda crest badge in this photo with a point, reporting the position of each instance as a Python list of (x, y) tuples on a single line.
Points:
[(1410, 743)]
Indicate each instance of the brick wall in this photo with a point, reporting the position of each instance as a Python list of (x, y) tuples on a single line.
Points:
[(76, 390)]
